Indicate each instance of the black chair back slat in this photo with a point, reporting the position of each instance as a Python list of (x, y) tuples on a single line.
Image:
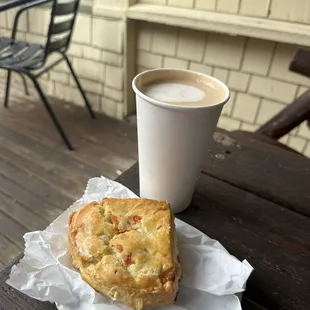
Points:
[(57, 27), (65, 8), (58, 44), (61, 27)]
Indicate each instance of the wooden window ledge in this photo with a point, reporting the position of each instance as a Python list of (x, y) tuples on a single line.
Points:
[(224, 23)]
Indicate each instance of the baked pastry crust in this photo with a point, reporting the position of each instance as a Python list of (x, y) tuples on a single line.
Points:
[(127, 250)]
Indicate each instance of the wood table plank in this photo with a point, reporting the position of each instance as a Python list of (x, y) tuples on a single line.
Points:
[(248, 304), (34, 184), (7, 250), (108, 134), (280, 256), (265, 170), (11, 299), (21, 214), (39, 177), (274, 239), (47, 156), (100, 155), (32, 167), (12, 230)]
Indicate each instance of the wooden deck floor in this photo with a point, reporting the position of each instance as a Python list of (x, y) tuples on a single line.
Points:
[(39, 177)]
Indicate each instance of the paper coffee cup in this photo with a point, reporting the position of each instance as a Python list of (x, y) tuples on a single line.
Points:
[(173, 139)]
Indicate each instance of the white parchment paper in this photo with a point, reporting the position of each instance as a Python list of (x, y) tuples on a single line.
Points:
[(211, 276)]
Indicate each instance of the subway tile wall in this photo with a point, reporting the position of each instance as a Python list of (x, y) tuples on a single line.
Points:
[(255, 70), (286, 10), (97, 58)]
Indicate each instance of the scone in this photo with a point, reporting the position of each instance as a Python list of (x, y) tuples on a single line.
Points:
[(127, 250)]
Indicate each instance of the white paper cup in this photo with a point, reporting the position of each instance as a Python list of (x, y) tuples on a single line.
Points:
[(173, 139)]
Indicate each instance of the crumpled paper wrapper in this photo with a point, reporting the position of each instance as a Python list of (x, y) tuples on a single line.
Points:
[(211, 276)]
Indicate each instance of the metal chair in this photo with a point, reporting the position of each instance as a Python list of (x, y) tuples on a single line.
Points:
[(29, 59)]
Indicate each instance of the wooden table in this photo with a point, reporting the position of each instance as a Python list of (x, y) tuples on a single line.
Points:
[(255, 199)]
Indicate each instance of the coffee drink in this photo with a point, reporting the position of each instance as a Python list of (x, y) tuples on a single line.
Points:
[(186, 89), (177, 112)]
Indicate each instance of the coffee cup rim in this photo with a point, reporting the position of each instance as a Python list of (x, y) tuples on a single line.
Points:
[(179, 107)]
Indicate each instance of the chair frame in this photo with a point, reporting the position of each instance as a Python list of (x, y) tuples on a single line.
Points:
[(299, 110), (59, 46)]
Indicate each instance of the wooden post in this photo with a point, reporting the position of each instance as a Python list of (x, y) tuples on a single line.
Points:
[(130, 62), (130, 66), (116, 10)]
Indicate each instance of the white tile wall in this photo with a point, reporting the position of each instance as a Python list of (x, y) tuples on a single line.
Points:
[(229, 106), (208, 5), (230, 6), (304, 130), (283, 56), (272, 89), (113, 94), (89, 69), (93, 53), (220, 74), (229, 123), (297, 143), (246, 107), (307, 149), (108, 106), (191, 45), (149, 60), (238, 81), (114, 77), (254, 8), (164, 40), (112, 58), (268, 109), (89, 86), (144, 37), (175, 63), (257, 56), (200, 68), (181, 3), (82, 30), (108, 34), (224, 51), (288, 10)]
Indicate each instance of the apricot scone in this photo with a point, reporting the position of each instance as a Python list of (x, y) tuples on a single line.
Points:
[(127, 250)]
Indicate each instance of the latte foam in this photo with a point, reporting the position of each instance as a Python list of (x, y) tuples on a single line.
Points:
[(170, 92)]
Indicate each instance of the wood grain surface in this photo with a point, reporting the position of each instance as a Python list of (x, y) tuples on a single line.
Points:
[(252, 196), (39, 177)]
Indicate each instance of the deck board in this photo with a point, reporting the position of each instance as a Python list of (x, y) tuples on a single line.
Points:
[(39, 177)]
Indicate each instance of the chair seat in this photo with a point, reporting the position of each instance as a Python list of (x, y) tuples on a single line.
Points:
[(19, 55)]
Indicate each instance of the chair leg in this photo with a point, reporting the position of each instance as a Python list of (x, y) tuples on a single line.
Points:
[(87, 104), (51, 113), (7, 90), (25, 84)]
